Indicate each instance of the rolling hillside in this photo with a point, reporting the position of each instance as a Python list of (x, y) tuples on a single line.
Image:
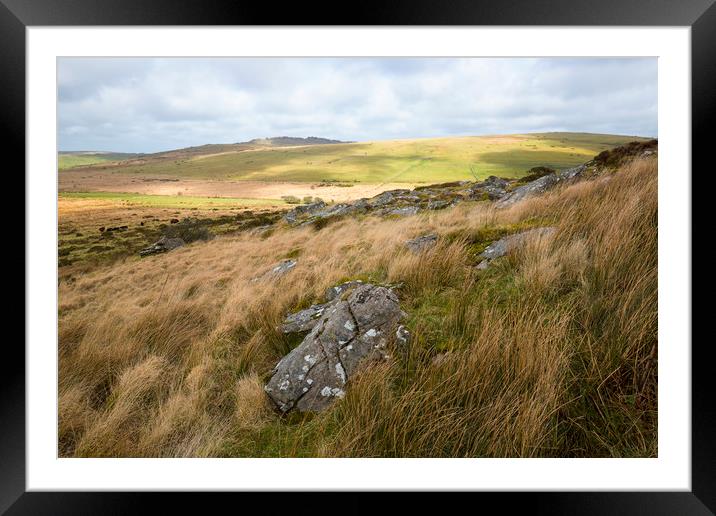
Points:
[(396, 161), (73, 159)]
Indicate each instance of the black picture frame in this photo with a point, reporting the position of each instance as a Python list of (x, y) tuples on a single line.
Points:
[(16, 15)]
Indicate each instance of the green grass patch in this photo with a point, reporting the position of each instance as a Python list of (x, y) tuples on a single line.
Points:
[(173, 201)]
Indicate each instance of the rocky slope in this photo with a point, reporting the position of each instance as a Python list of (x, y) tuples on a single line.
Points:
[(356, 322), (505, 192)]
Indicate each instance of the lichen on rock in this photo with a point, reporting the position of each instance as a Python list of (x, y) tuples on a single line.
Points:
[(349, 334)]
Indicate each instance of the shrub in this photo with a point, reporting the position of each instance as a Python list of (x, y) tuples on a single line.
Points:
[(536, 172)]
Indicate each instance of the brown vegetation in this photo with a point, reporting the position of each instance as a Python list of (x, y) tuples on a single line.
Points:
[(552, 351)]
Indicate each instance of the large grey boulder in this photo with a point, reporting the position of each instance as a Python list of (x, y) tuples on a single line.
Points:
[(506, 244), (539, 186), (347, 337), (162, 245)]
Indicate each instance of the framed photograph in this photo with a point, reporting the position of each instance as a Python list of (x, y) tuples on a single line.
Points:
[(426, 248)]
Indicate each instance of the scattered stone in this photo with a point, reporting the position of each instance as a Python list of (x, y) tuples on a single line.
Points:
[(174, 221), (422, 243), (506, 244), (162, 245), (347, 337), (101, 230)]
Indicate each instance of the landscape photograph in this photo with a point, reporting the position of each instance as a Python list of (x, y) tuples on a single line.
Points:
[(374, 257)]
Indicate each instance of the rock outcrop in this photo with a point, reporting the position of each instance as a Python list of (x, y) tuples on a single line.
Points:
[(539, 186), (345, 337), (492, 188), (162, 245), (403, 202), (305, 209)]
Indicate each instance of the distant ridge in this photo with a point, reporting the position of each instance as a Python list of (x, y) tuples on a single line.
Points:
[(283, 141)]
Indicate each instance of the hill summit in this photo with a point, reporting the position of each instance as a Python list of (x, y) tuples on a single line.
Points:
[(282, 141)]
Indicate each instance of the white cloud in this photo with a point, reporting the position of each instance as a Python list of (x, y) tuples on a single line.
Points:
[(146, 105)]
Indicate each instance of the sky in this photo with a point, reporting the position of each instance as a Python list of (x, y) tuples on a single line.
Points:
[(156, 104)]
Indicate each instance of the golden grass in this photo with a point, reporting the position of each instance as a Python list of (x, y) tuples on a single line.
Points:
[(550, 352)]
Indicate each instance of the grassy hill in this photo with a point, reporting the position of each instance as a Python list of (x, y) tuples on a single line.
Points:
[(410, 161), (66, 160)]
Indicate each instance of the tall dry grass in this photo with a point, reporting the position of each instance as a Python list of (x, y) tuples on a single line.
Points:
[(550, 352)]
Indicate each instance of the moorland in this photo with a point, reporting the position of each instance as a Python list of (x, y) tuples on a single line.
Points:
[(449, 297)]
